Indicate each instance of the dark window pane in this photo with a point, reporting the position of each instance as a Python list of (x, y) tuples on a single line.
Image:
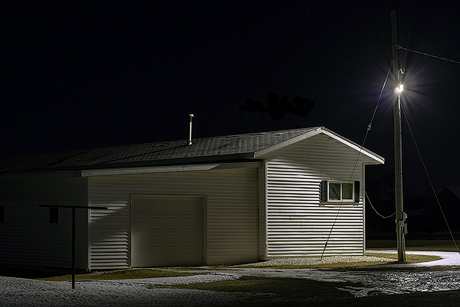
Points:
[(347, 190), (334, 191)]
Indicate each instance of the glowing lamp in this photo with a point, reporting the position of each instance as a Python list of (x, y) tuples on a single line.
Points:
[(400, 88)]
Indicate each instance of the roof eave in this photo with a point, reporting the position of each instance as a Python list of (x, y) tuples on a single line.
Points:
[(288, 142), (375, 157), (177, 161)]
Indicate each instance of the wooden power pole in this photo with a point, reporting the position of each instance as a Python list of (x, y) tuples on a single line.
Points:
[(400, 215)]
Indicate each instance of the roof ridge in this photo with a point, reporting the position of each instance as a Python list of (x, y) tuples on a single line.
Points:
[(84, 150), (225, 147)]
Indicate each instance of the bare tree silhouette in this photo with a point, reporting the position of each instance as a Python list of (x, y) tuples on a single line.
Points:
[(277, 107)]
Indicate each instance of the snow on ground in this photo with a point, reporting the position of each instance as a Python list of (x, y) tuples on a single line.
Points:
[(26, 292), (448, 258)]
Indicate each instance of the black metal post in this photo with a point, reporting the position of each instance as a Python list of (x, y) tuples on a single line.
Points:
[(73, 248), (73, 231)]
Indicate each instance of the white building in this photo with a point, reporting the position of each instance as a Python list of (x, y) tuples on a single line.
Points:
[(221, 200)]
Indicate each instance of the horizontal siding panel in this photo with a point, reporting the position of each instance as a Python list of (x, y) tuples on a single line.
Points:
[(297, 223), (31, 240), (299, 241), (27, 238), (231, 211), (109, 235), (262, 201), (319, 220)]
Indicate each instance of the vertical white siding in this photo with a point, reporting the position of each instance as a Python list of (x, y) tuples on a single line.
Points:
[(231, 212), (27, 237), (298, 224)]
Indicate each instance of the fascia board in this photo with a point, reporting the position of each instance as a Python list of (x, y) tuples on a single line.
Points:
[(378, 159), (366, 152), (233, 165), (39, 175), (288, 142), (147, 170), (169, 169)]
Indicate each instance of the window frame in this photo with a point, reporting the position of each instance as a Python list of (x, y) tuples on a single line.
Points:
[(325, 196)]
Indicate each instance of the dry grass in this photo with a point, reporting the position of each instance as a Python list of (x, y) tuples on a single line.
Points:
[(120, 274), (286, 291), (344, 265), (438, 245), (410, 258), (414, 245), (179, 271)]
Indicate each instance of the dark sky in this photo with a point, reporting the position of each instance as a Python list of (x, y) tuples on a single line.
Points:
[(84, 74)]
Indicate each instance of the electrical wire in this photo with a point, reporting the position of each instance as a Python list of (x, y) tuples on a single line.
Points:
[(357, 159), (429, 179), (430, 55), (364, 140), (418, 150), (385, 217), (378, 102)]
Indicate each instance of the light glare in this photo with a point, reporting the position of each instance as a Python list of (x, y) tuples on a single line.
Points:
[(400, 88)]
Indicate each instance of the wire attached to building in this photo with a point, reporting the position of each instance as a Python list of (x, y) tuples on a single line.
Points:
[(364, 140), (357, 159), (385, 217), (429, 179)]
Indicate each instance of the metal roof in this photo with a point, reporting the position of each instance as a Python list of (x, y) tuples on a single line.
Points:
[(220, 148)]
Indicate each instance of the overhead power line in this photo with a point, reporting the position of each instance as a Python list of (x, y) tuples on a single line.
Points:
[(429, 180), (430, 55), (377, 105), (357, 159)]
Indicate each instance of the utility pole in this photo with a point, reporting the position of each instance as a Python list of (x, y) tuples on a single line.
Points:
[(400, 215)]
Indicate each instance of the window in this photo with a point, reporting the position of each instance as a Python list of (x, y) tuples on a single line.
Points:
[(340, 191), (54, 215), (2, 214)]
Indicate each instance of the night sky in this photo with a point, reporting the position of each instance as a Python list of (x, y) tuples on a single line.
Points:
[(86, 74)]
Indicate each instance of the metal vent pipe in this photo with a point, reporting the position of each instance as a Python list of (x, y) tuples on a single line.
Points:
[(190, 116)]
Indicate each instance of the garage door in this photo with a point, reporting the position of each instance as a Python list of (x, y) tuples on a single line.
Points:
[(166, 230)]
